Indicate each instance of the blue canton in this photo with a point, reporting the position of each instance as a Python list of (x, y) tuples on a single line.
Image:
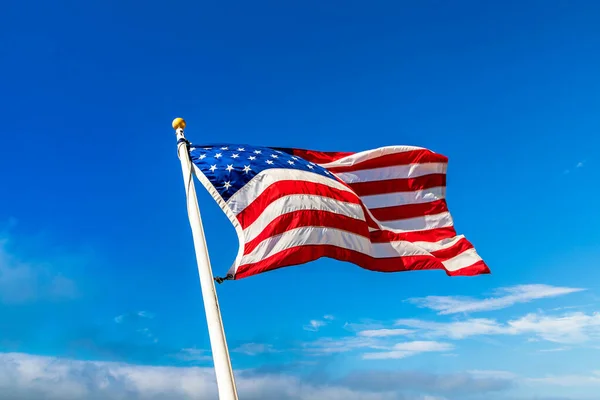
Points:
[(230, 167)]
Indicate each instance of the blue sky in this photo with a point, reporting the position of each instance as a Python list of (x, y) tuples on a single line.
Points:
[(97, 268)]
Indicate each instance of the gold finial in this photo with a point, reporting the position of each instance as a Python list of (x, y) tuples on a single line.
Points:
[(178, 123)]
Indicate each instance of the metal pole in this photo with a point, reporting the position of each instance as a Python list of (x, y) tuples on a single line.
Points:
[(218, 343)]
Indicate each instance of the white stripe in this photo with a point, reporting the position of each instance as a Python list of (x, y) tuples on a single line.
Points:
[(298, 202), (307, 236), (402, 198), (382, 250), (440, 244), (394, 172), (247, 194), (463, 260), (392, 249), (426, 222), (350, 241), (368, 155), (329, 236)]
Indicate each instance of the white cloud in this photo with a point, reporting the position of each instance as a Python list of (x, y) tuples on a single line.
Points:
[(408, 349), (592, 379), (252, 349), (146, 332), (315, 324), (580, 164), (568, 328), (504, 297), (422, 346), (373, 345), (554, 350), (132, 316), (27, 377), (363, 326), (193, 354), (455, 330), (456, 385), (328, 346), (572, 328), (385, 332), (573, 307), (492, 374)]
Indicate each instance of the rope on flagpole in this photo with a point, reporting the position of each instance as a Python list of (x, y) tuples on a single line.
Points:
[(220, 280)]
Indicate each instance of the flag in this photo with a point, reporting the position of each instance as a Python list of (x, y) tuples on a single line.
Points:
[(382, 209)]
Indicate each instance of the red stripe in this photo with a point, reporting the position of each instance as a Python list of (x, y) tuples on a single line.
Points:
[(399, 185), (303, 218), (431, 235), (307, 253), (457, 248), (409, 210), (320, 157), (479, 268), (286, 188), (388, 160), (370, 221)]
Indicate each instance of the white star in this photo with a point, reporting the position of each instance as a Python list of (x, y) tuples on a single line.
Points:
[(235, 156), (251, 158), (227, 185), (257, 151), (274, 155), (241, 149), (202, 156), (290, 162), (207, 148), (192, 148), (310, 166), (246, 168), (269, 162), (229, 168), (225, 148), (218, 155), (213, 167), (295, 158)]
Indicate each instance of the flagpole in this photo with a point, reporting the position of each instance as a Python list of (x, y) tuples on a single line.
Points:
[(218, 342)]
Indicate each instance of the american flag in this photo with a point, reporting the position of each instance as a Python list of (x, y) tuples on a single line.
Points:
[(383, 209)]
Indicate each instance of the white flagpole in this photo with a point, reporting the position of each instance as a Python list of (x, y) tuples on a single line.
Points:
[(218, 343)]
